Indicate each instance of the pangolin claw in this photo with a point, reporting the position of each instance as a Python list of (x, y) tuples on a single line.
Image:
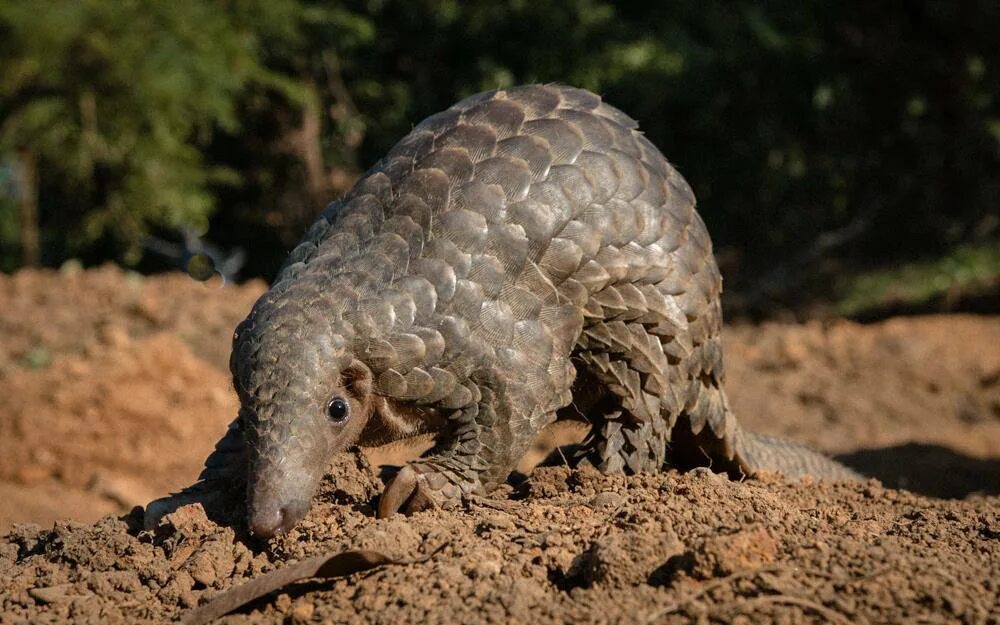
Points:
[(407, 492)]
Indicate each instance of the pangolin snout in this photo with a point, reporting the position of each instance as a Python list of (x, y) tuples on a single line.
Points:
[(269, 520)]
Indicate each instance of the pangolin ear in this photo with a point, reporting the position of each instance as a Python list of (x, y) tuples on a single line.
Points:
[(357, 380)]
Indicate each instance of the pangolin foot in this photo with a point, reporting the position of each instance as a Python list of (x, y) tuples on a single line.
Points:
[(416, 488)]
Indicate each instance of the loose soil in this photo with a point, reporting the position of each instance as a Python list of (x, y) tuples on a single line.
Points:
[(115, 389)]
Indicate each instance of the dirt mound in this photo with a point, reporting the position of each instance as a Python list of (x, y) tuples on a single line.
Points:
[(115, 388), (914, 401), (48, 313), (565, 547), (120, 423)]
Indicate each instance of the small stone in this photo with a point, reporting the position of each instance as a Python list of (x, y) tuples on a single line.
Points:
[(497, 522), (51, 594), (703, 473), (189, 518), (606, 500)]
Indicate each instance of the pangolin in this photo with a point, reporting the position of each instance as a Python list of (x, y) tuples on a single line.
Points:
[(523, 256)]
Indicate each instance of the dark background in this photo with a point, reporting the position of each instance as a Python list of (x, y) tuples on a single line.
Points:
[(846, 156)]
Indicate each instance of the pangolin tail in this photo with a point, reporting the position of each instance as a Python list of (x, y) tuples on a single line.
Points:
[(758, 452)]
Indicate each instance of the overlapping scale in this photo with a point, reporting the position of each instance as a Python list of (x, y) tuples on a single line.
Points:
[(496, 240)]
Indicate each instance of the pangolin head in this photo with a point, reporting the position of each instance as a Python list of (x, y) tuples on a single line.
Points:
[(303, 398)]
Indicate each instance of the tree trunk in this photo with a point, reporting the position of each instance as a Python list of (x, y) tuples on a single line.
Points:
[(28, 203)]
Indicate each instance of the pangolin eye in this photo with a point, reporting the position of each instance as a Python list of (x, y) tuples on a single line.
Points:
[(338, 410), (243, 325)]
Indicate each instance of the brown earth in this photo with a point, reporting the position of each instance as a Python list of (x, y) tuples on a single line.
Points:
[(114, 390)]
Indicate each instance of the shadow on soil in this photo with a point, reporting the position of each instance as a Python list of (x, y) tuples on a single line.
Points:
[(930, 470)]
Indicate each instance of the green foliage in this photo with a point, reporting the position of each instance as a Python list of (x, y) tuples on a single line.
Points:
[(790, 119), (812, 132), (116, 100), (911, 285)]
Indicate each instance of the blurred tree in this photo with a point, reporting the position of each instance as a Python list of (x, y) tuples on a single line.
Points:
[(297, 145), (112, 101), (811, 132), (818, 137)]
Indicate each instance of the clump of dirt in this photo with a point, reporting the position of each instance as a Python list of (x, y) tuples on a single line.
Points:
[(566, 547)]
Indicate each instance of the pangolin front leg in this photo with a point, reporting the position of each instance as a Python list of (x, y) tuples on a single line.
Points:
[(484, 444)]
